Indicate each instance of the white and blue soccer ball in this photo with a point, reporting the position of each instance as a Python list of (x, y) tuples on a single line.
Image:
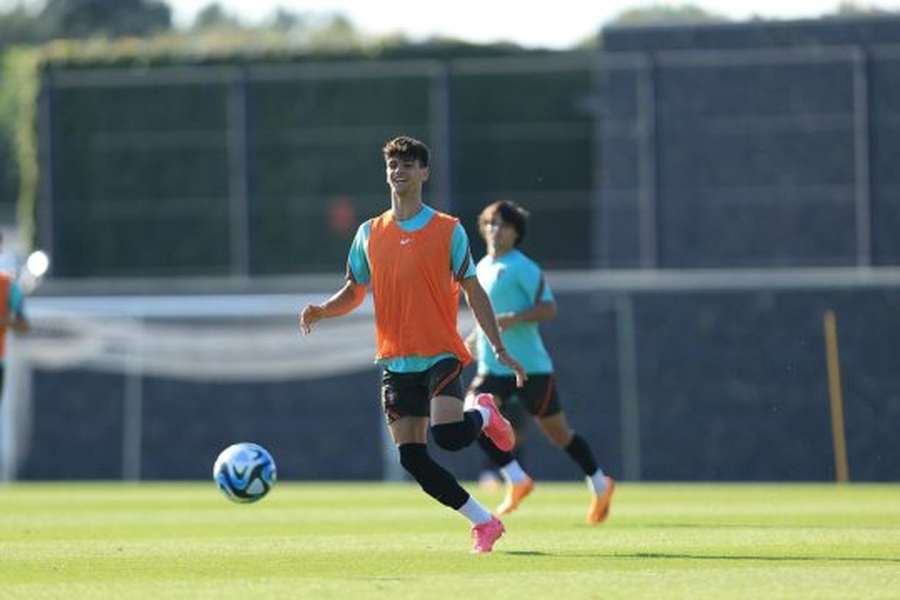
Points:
[(245, 472)]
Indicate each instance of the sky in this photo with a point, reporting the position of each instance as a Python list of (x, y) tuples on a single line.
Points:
[(549, 24)]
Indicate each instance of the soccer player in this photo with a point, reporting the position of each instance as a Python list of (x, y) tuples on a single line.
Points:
[(12, 315), (522, 299), (415, 259)]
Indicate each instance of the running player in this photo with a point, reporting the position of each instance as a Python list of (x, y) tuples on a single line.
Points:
[(522, 299), (12, 314), (415, 259)]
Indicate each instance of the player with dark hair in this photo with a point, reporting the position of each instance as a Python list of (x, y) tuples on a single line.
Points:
[(522, 299), (416, 259)]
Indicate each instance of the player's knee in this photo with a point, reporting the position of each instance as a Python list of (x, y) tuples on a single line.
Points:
[(452, 436), (560, 439), (559, 434)]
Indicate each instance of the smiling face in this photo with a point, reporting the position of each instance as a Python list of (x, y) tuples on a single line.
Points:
[(405, 175), (406, 162)]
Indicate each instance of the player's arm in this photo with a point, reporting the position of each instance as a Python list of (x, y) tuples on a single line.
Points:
[(17, 320), (541, 311), (354, 291), (530, 280), (19, 323), (344, 301), (481, 307)]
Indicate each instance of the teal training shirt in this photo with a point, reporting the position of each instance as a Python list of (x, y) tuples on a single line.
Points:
[(16, 304), (514, 283), (358, 270)]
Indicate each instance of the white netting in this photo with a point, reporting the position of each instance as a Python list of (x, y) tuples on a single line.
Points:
[(240, 349), (230, 338), (242, 337)]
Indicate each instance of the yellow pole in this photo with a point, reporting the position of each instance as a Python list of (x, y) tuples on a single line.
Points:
[(838, 437)]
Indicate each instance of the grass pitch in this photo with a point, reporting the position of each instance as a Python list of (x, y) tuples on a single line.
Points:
[(390, 541)]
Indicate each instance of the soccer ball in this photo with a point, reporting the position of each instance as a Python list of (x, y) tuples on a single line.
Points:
[(245, 472)]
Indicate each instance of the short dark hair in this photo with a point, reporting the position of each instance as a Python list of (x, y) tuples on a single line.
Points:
[(408, 148), (509, 212)]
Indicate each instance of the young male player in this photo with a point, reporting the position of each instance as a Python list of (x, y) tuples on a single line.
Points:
[(12, 315), (522, 299), (415, 259)]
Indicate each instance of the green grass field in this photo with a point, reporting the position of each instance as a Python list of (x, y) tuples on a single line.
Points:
[(372, 540)]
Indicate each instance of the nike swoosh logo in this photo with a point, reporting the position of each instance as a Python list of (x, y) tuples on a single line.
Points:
[(405, 241)]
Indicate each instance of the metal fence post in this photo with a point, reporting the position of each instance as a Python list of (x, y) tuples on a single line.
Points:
[(861, 174), (239, 174), (630, 414), (598, 240), (133, 410), (647, 175), (439, 125)]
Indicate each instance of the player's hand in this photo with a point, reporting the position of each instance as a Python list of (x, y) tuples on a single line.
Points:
[(506, 320), (309, 315), (504, 357)]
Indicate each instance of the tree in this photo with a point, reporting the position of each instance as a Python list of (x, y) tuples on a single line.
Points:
[(285, 20), (850, 8), (213, 16), (332, 31), (18, 26), (113, 18), (664, 14)]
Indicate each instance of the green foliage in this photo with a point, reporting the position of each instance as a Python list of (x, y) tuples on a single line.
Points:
[(213, 16), (18, 111), (113, 18), (18, 26), (666, 14), (851, 8)]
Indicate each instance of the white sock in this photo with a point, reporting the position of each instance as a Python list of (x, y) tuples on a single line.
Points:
[(485, 415), (474, 512), (513, 472), (597, 482)]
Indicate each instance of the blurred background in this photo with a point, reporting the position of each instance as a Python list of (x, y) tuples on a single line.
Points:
[(707, 184)]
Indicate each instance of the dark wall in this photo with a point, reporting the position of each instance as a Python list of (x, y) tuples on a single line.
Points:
[(756, 142), (317, 430), (734, 385), (143, 173), (731, 386), (526, 137), (845, 31)]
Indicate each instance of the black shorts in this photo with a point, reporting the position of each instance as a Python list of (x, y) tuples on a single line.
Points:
[(538, 396), (410, 394)]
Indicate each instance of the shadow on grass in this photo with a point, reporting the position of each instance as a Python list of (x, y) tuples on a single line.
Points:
[(741, 526), (664, 555), (766, 558)]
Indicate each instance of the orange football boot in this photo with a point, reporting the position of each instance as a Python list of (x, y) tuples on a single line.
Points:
[(599, 508), (515, 493)]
